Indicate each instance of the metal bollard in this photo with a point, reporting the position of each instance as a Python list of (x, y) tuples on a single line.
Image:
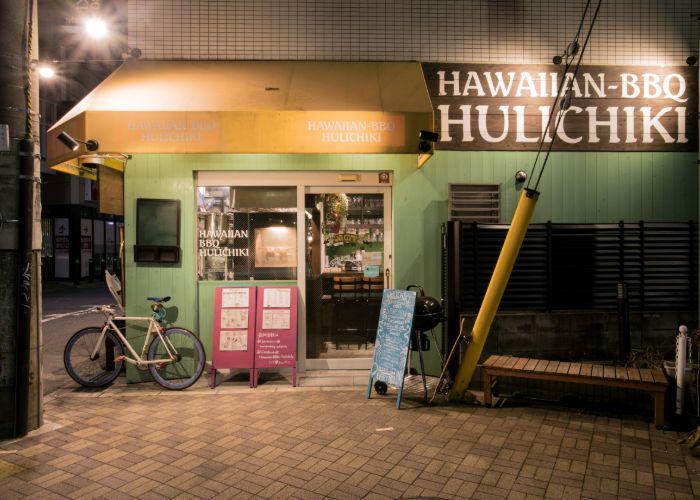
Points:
[(681, 357)]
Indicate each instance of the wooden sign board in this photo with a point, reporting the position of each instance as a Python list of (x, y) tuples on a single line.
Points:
[(393, 338), (233, 339), (276, 329), (613, 108)]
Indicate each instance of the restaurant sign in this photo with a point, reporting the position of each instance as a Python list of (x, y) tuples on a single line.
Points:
[(613, 108)]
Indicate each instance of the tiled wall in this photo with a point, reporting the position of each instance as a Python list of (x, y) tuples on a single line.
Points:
[(527, 31)]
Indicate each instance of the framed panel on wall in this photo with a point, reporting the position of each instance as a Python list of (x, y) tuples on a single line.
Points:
[(157, 231)]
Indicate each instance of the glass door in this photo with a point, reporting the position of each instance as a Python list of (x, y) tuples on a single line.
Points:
[(348, 265)]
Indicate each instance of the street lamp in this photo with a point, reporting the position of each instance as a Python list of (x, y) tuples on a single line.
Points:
[(95, 27), (46, 72)]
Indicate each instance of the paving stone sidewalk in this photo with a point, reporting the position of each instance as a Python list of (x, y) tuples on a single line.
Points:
[(314, 443)]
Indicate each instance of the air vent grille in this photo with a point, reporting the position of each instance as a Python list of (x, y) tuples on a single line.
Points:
[(474, 203)]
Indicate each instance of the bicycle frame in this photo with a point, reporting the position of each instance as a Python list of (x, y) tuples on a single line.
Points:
[(154, 329)]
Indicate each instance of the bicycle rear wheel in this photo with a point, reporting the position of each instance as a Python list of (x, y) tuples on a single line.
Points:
[(188, 366), (86, 370)]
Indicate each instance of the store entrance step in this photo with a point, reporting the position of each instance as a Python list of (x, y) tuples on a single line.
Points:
[(334, 378)]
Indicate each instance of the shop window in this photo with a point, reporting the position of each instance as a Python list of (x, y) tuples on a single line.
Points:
[(246, 233)]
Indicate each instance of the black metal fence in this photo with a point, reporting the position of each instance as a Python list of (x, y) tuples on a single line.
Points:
[(575, 266)]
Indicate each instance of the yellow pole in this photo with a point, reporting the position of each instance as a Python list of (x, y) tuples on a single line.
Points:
[(494, 292)]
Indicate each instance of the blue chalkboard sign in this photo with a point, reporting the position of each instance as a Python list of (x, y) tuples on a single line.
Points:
[(393, 337)]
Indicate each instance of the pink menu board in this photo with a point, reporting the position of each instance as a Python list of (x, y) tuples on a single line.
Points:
[(233, 343), (276, 329)]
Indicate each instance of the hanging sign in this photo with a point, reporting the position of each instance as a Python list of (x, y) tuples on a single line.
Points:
[(276, 329), (613, 108), (234, 330), (61, 247), (393, 337)]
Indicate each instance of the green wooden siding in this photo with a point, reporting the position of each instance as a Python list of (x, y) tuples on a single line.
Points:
[(581, 187), (577, 187)]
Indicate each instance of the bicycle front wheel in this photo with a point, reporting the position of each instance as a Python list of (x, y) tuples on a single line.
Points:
[(90, 365), (188, 365)]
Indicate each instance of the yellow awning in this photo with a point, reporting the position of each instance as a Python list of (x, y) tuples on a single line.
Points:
[(251, 107)]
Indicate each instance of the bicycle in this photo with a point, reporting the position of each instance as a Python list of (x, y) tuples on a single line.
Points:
[(94, 356)]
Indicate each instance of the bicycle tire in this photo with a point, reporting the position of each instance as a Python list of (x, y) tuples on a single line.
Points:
[(99, 379), (184, 372)]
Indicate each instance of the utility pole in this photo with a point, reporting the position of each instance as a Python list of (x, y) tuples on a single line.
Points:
[(20, 222)]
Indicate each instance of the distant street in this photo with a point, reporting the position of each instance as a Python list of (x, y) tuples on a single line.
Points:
[(65, 309)]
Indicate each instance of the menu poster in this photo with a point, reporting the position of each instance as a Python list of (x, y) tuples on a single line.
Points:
[(393, 337), (276, 297), (234, 318), (276, 329), (235, 297), (233, 340), (275, 349), (276, 319)]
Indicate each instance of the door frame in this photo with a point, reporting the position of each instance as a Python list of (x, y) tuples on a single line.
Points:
[(354, 363), (347, 181)]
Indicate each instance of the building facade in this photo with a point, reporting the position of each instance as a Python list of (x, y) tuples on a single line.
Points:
[(627, 151)]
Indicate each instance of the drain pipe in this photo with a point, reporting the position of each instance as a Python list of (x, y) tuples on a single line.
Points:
[(681, 352)]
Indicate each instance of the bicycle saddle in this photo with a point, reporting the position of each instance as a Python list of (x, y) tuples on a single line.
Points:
[(158, 299)]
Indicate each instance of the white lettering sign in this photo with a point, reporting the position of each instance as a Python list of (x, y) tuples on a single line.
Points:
[(484, 106)]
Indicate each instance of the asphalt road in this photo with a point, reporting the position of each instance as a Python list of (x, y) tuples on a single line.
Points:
[(65, 311)]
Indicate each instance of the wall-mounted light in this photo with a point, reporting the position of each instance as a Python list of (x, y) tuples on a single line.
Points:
[(557, 59), (425, 146), (428, 135), (73, 144), (691, 61), (427, 138), (520, 176)]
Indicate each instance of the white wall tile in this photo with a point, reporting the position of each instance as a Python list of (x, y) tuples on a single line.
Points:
[(527, 31)]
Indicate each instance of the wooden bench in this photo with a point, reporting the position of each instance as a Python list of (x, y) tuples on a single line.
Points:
[(652, 381)]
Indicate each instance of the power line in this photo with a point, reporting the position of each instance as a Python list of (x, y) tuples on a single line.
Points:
[(570, 55)]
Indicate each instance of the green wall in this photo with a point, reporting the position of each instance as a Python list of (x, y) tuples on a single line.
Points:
[(577, 187)]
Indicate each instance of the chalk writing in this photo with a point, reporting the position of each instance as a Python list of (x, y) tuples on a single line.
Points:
[(393, 335)]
